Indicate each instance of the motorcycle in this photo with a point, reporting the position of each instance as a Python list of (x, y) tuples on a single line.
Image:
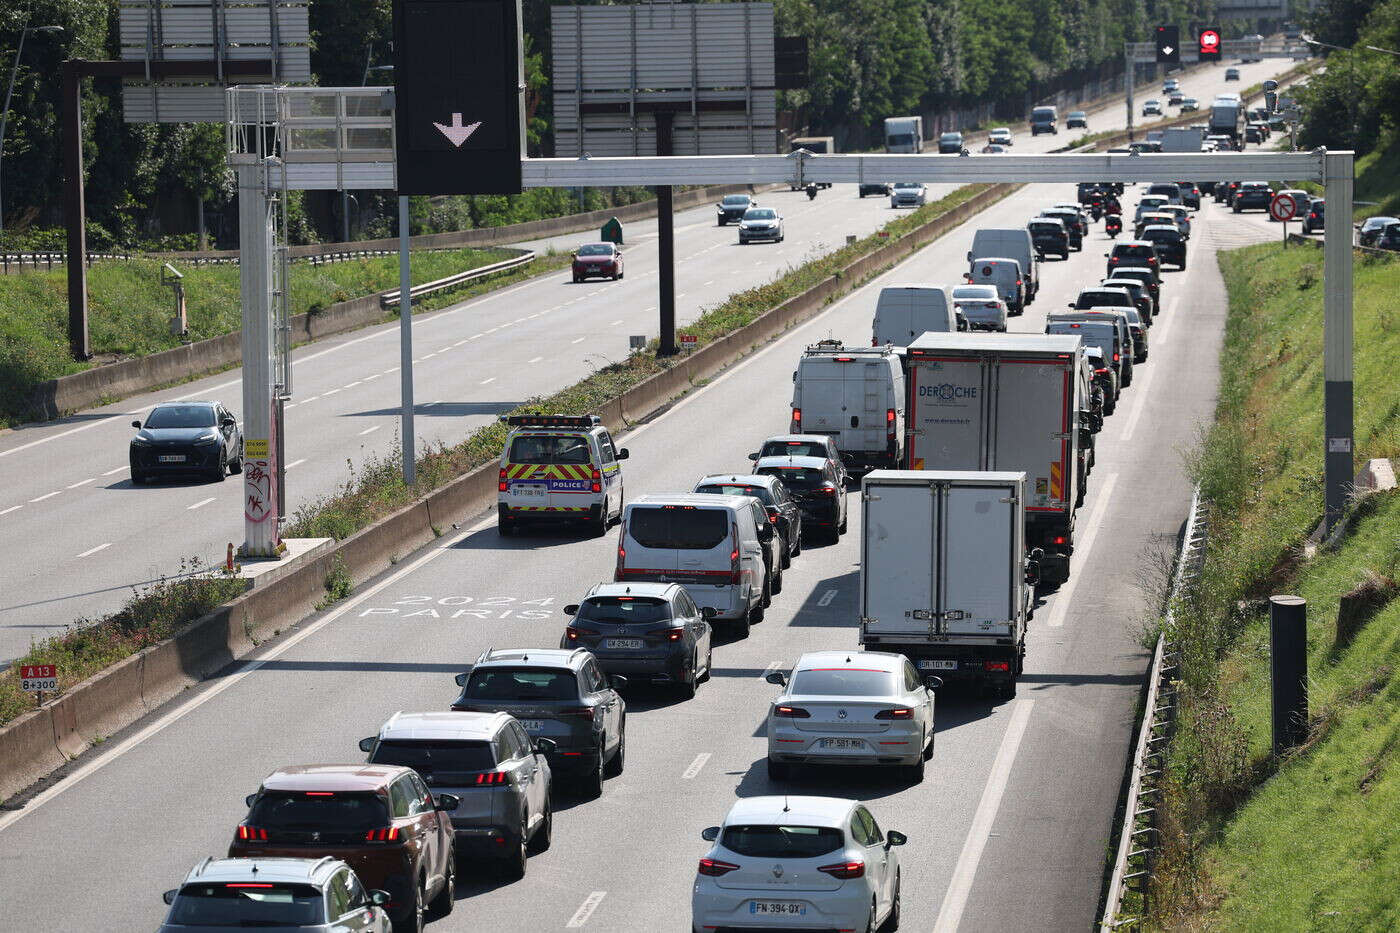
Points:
[(1113, 225), (811, 191), (1096, 210)]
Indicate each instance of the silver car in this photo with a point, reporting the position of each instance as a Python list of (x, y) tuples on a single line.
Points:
[(301, 894), (761, 223), (851, 708), (980, 306), (908, 194)]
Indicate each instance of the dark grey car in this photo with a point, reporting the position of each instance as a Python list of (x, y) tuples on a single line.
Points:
[(646, 631), (186, 437)]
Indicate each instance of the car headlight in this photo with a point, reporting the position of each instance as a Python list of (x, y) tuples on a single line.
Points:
[(743, 225), (140, 441), (204, 440)]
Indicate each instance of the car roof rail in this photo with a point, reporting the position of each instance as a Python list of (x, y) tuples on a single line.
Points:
[(485, 655), (199, 869), (320, 863)]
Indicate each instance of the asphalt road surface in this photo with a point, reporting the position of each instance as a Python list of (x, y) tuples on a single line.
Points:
[(78, 536)]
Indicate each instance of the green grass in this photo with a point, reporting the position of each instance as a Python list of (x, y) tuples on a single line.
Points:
[(129, 310), (1306, 841), (1378, 179)]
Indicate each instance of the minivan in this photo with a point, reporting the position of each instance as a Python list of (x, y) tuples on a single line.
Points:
[(903, 312), (854, 396), (711, 545), (1043, 120), (1015, 244), (1005, 274)]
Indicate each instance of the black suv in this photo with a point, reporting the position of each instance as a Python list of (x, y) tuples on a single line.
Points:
[(1139, 254), (560, 695), (1252, 194), (1170, 244), (651, 631), (1316, 217), (731, 209), (784, 514), (1048, 235)]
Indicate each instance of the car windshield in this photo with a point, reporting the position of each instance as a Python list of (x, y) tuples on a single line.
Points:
[(795, 477), (181, 416), (907, 185), (595, 249), (524, 684), (1172, 236), (679, 527), (1097, 299), (1040, 114), (434, 759), (974, 293), (951, 137), (736, 200), (248, 904), (843, 682), (1376, 223), (1044, 227), (737, 489), (760, 213), (549, 448), (792, 449), (790, 842), (1077, 114), (303, 810), (624, 610)]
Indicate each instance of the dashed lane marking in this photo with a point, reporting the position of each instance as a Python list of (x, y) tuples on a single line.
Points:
[(585, 910), (371, 430), (695, 766), (579, 340), (47, 495), (535, 360), (295, 463), (199, 505), (83, 482), (10, 509), (91, 551), (488, 380)]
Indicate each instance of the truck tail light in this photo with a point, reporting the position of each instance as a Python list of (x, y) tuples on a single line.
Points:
[(252, 834), (899, 712), (383, 834), (714, 868), (845, 870), (573, 632), (501, 484), (1059, 539), (597, 484), (796, 420), (791, 712)]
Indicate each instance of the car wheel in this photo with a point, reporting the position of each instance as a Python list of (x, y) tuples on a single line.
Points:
[(709, 665), (779, 770), (767, 599), (892, 918), (619, 758), (870, 924), (236, 466), (544, 836), (688, 685), (413, 919), (593, 781), (786, 551), (446, 899), (600, 526), (221, 469), (577, 280), (777, 585), (1182, 267), (517, 860)]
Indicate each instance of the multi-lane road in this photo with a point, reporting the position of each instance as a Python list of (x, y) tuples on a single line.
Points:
[(1008, 829), (78, 535)]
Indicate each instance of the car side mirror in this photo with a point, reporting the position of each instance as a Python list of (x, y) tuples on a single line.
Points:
[(447, 801), (617, 682), (933, 681), (776, 678), (893, 838), (623, 453), (571, 609), (754, 456), (1033, 573), (367, 744), (708, 612), (379, 898), (228, 422), (137, 424), (250, 800), (546, 746), (1105, 255), (709, 833), (461, 679), (169, 896)]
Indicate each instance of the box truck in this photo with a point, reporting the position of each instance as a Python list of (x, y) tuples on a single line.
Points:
[(904, 134), (822, 145), (1004, 402), (944, 575), (1181, 139)]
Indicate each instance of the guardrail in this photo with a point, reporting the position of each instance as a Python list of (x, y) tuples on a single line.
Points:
[(1301, 240), (461, 278), (1138, 831)]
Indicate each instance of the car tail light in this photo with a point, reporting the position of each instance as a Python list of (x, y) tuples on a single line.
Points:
[(714, 868), (573, 632), (492, 778), (826, 489), (899, 712), (1115, 357), (1059, 539), (675, 634), (791, 712), (384, 834), (501, 481), (845, 870), (248, 884), (252, 834), (734, 571), (597, 478), (1101, 372), (772, 515), (1001, 667)]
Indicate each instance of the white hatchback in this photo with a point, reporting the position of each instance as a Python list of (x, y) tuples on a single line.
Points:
[(851, 708), (798, 862)]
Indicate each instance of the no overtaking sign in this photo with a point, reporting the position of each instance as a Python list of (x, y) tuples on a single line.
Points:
[(1283, 207)]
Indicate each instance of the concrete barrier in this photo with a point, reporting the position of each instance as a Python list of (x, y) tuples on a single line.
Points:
[(39, 742)]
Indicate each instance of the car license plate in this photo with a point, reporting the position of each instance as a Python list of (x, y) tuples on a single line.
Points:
[(777, 908), (172, 458), (529, 490), (624, 643), (938, 665), (533, 725), (842, 743)]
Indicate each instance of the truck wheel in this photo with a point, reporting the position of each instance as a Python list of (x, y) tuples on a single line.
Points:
[(741, 627)]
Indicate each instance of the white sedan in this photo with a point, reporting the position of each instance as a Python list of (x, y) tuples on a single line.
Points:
[(980, 306), (852, 708), (798, 862), (761, 223)]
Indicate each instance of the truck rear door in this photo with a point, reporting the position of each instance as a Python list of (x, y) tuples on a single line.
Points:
[(976, 541), (946, 417), (1033, 425), (898, 558), (822, 395), (866, 389)]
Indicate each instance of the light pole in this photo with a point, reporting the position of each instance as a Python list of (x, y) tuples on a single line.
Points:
[(5, 112)]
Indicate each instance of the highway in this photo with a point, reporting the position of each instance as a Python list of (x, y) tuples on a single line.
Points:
[(78, 535), (1008, 830)]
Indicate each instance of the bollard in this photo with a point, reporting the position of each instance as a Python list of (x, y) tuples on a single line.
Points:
[(1288, 668)]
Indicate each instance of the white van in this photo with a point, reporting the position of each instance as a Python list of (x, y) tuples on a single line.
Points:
[(711, 545), (854, 396), (1004, 274), (903, 312), (1015, 244)]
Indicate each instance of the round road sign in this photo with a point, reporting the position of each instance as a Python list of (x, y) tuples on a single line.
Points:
[(1283, 207)]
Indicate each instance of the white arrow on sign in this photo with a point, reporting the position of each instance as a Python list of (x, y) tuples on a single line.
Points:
[(1167, 50), (456, 133)]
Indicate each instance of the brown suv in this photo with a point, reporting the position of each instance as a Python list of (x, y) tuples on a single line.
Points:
[(380, 819)]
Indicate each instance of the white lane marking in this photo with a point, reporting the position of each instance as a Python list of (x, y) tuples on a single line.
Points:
[(579, 340), (476, 336), (827, 597), (120, 469), (371, 430), (287, 405), (390, 370), (1065, 597), (950, 912), (295, 463), (680, 294), (585, 910), (199, 505), (90, 479), (91, 551), (371, 377), (647, 310), (309, 399), (710, 282), (10, 509), (535, 360), (695, 766), (614, 323), (1140, 404), (488, 380), (772, 666), (351, 385), (47, 495)]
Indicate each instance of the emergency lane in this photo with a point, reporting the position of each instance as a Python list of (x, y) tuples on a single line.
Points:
[(1028, 855)]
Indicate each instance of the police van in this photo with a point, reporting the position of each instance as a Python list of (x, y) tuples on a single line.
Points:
[(559, 468)]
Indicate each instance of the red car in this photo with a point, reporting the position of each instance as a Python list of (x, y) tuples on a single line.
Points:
[(597, 260)]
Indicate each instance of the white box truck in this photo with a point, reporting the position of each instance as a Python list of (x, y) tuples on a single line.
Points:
[(1004, 402), (904, 134), (944, 575), (854, 395), (822, 145), (1181, 139)]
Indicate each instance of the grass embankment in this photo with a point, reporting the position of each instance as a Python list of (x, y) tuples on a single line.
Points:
[(130, 310), (377, 488), (1377, 173), (1306, 840)]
